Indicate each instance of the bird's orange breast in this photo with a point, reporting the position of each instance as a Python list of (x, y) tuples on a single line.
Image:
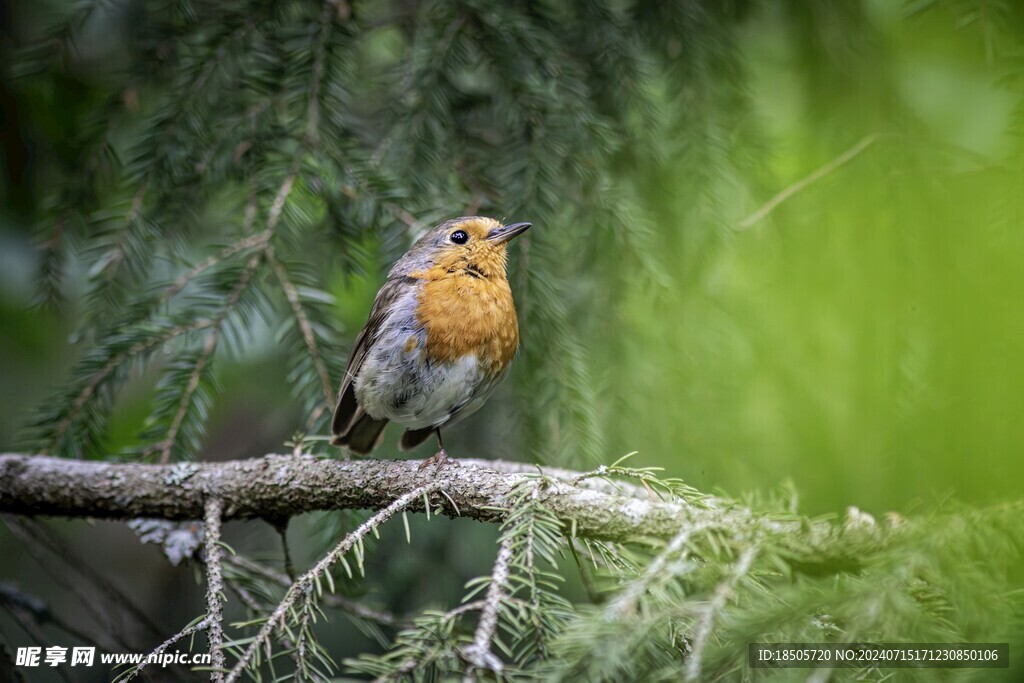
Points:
[(467, 314)]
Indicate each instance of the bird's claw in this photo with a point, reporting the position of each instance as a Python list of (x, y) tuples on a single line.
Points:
[(437, 460)]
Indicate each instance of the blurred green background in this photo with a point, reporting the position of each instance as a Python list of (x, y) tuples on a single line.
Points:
[(865, 340), (861, 344)]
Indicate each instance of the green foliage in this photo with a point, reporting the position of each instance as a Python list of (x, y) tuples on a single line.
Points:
[(249, 169), (689, 607), (530, 609), (310, 131)]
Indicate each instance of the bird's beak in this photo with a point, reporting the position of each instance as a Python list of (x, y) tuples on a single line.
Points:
[(504, 233)]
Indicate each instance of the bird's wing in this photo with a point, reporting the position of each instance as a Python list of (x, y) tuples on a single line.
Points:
[(348, 411)]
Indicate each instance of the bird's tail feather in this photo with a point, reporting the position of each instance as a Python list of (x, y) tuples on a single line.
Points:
[(414, 437), (362, 436)]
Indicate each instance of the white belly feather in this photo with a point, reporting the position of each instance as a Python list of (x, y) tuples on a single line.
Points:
[(416, 395), (398, 383)]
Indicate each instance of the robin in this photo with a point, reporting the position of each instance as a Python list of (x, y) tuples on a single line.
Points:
[(441, 336)]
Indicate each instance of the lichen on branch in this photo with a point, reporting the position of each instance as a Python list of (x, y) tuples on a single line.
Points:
[(281, 486)]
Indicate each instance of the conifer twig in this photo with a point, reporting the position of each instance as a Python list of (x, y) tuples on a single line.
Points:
[(186, 100), (281, 197), (253, 604), (624, 603), (261, 239), (116, 255), (204, 358), (195, 627), (479, 653), (810, 179), (248, 242), (413, 663), (103, 373), (722, 593), (247, 598), (306, 581), (167, 445), (328, 11), (245, 564), (214, 587), (302, 320), (74, 572)]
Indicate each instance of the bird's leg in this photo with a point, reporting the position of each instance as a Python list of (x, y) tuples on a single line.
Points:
[(439, 458)]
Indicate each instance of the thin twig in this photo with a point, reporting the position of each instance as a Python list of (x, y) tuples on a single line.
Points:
[(31, 627), (214, 588), (624, 603), (328, 12), (153, 656), (204, 358), (530, 558), (314, 417), (282, 196), (722, 593), (474, 606), (585, 578), (250, 115), (289, 566), (117, 253), (250, 601), (35, 535), (291, 293), (249, 242), (7, 667), (331, 600), (479, 653), (135, 349), (413, 663), (814, 177), (402, 215), (167, 444), (247, 598), (14, 598), (306, 581)]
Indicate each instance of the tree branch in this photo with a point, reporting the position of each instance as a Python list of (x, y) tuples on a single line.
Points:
[(280, 486), (302, 588), (214, 589)]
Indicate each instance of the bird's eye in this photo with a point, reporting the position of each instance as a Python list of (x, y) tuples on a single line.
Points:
[(459, 237)]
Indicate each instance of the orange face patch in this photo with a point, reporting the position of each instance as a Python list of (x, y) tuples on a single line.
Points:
[(478, 255), (478, 228), (466, 303)]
